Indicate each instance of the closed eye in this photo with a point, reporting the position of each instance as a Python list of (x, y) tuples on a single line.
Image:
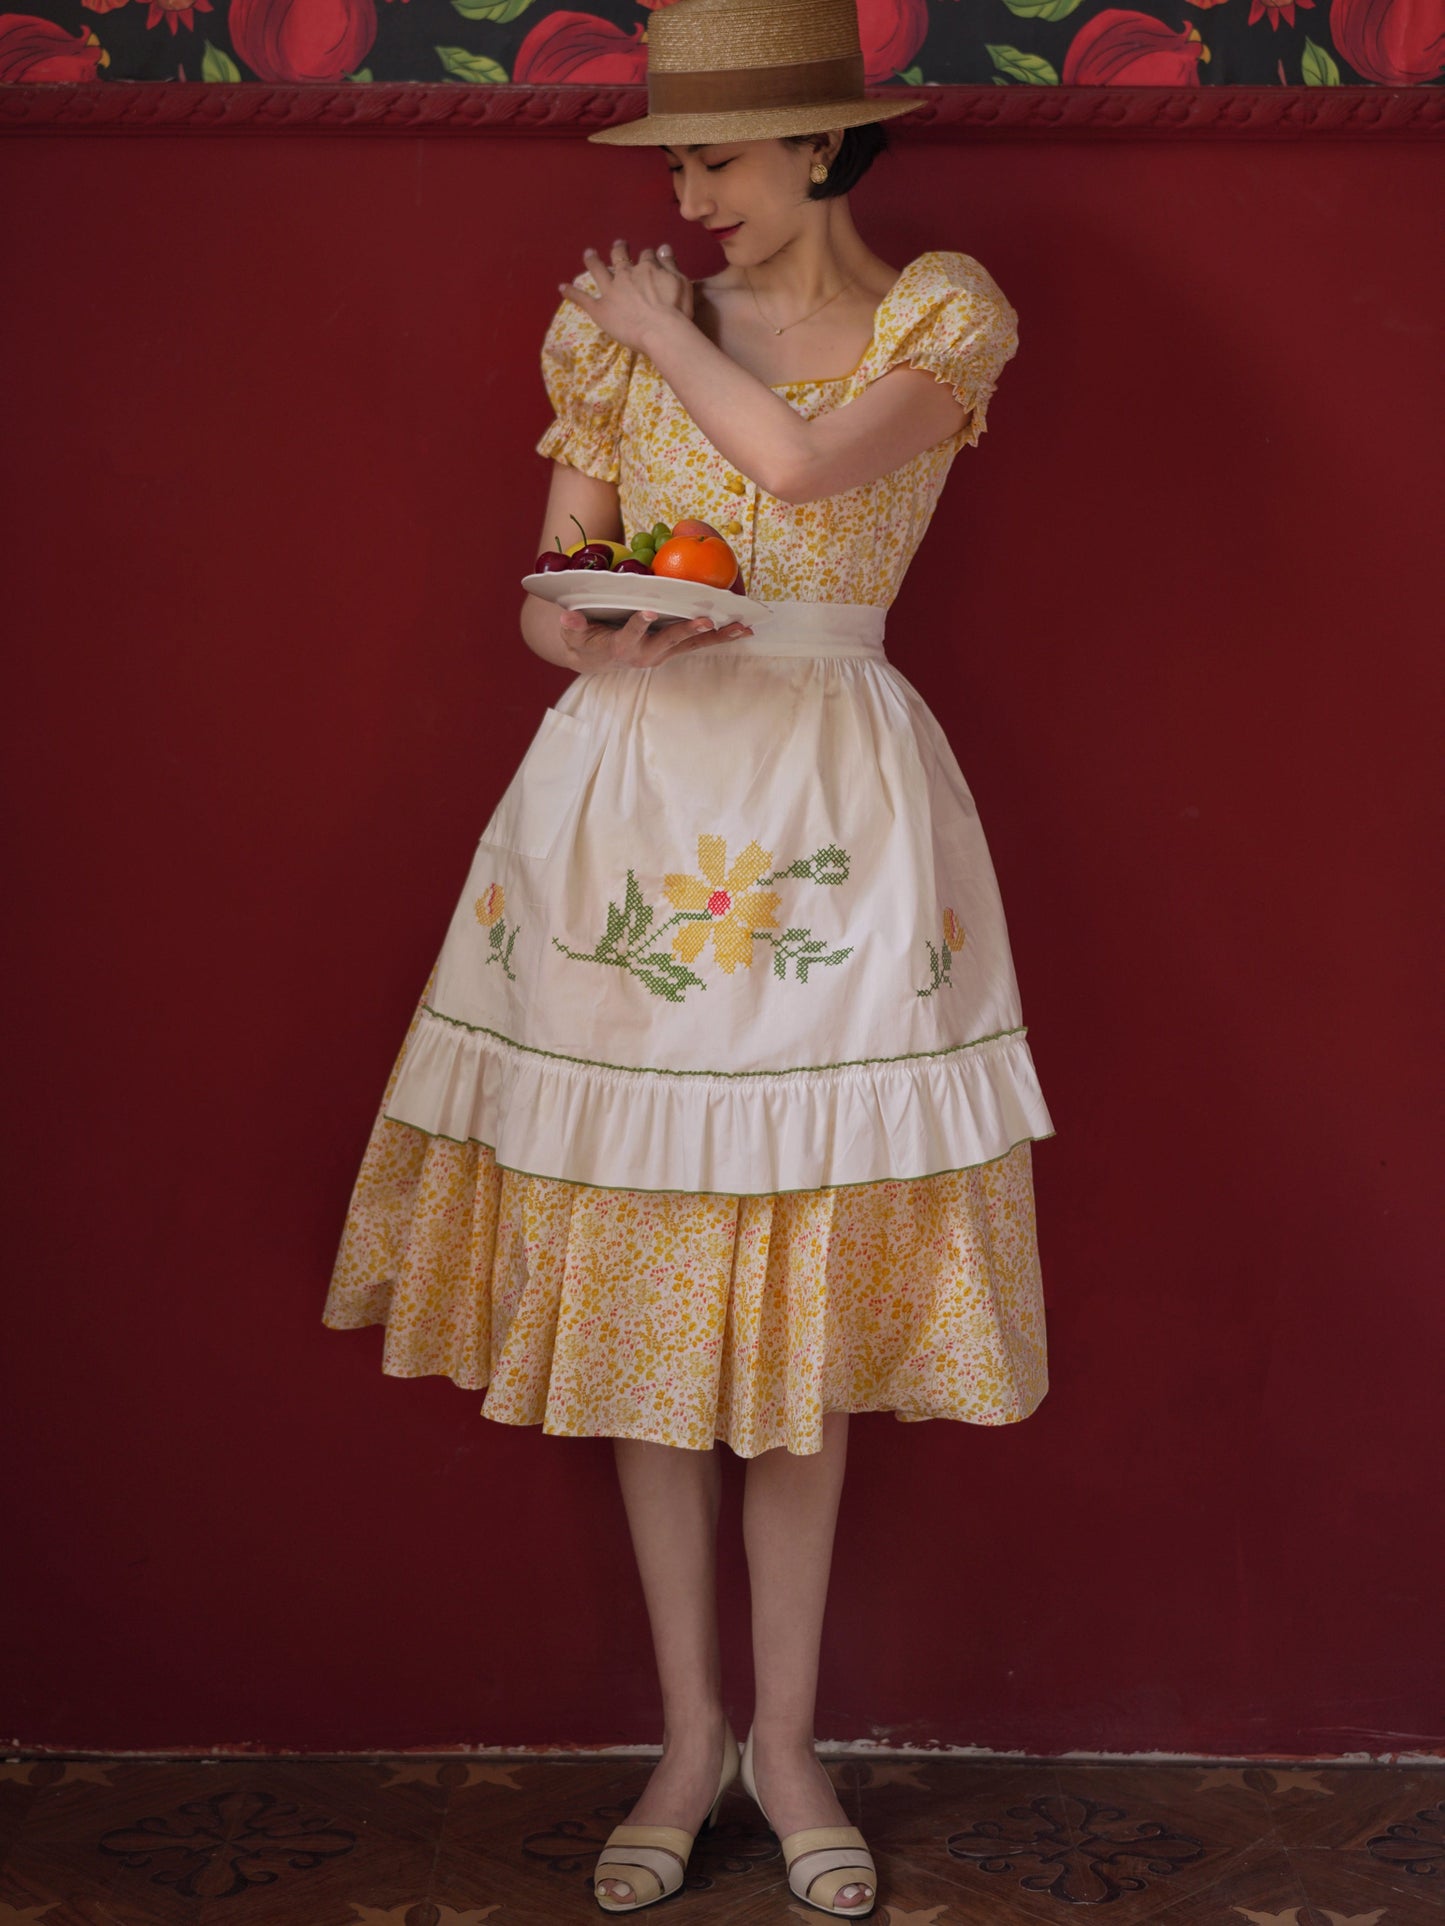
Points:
[(712, 169)]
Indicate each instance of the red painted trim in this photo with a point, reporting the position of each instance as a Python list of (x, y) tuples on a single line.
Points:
[(1230, 113)]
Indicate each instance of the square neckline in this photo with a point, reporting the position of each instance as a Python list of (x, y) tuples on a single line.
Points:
[(827, 381)]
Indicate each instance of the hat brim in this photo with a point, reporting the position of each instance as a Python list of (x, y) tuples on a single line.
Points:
[(762, 123)]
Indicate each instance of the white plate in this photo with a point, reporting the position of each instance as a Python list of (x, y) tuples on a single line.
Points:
[(600, 593)]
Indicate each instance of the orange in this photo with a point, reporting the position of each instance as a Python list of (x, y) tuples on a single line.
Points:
[(692, 558)]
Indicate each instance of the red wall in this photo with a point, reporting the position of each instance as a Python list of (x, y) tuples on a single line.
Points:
[(268, 493)]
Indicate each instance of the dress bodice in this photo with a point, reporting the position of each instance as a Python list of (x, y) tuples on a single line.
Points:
[(618, 420)]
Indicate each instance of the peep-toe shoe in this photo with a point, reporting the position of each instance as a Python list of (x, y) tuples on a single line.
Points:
[(653, 1859), (821, 1860)]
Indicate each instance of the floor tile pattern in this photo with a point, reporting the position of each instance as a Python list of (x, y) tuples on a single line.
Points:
[(511, 1842)]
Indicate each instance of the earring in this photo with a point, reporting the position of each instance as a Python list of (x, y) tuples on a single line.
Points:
[(818, 172)]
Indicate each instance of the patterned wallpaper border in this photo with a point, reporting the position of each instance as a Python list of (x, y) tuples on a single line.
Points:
[(140, 107)]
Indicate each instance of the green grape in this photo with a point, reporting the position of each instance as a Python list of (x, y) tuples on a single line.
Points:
[(660, 534)]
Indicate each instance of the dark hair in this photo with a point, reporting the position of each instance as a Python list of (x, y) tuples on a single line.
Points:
[(860, 147)]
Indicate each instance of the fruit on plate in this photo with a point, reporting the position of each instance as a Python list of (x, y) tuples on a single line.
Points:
[(690, 551), (596, 554), (697, 558), (600, 554), (617, 550), (646, 542)]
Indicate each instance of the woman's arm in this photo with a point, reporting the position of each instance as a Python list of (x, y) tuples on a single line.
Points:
[(646, 305), (598, 507), (892, 421)]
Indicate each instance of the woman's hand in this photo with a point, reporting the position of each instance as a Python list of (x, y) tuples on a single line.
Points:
[(633, 297), (598, 645)]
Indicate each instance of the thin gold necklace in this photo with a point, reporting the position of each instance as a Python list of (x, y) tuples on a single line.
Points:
[(802, 317)]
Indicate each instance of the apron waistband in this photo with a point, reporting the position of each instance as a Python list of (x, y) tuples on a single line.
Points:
[(808, 628)]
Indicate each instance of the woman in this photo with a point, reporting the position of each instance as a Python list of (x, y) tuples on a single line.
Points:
[(715, 1118)]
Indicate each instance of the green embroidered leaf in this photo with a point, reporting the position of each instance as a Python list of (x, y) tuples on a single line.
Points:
[(827, 865), (662, 961), (635, 917), (935, 971), (497, 935), (666, 977), (802, 949), (805, 963), (830, 865)]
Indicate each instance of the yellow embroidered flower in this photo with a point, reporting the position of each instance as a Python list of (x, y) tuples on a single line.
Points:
[(734, 908), (491, 905), (952, 930)]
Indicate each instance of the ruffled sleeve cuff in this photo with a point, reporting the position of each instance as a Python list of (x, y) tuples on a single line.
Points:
[(586, 374), (961, 329)]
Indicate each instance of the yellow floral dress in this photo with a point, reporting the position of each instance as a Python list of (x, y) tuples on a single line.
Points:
[(745, 1138)]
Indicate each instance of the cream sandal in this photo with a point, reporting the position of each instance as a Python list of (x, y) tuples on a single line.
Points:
[(821, 1860), (653, 1859)]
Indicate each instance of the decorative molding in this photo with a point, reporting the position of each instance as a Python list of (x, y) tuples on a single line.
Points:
[(1109, 113)]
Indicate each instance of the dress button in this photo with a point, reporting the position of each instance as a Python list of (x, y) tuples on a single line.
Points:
[(732, 528)]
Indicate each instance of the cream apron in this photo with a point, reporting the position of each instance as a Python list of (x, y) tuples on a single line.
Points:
[(733, 927)]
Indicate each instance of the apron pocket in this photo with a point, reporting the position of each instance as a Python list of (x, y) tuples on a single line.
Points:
[(548, 782)]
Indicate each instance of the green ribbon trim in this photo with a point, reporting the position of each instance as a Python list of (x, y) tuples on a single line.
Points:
[(799, 1070)]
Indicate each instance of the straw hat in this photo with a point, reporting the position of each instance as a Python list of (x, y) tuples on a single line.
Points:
[(751, 70)]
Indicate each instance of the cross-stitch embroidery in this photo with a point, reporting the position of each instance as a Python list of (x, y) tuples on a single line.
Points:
[(728, 906), (940, 965), (489, 906)]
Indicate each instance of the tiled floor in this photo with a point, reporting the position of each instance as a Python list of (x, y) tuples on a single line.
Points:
[(412, 1842)]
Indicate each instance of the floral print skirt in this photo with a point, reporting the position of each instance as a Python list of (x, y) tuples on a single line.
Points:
[(684, 1319)]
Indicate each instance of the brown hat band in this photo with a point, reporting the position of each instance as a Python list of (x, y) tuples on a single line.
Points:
[(798, 84)]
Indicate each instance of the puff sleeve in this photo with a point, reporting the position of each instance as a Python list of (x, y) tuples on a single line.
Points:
[(586, 374), (960, 327)]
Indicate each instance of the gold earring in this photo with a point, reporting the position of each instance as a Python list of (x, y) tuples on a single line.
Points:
[(818, 172)]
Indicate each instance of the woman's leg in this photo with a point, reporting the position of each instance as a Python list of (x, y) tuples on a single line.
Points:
[(790, 1507), (671, 1496)]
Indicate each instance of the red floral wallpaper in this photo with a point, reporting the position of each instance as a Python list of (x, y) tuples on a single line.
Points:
[(1011, 43)]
